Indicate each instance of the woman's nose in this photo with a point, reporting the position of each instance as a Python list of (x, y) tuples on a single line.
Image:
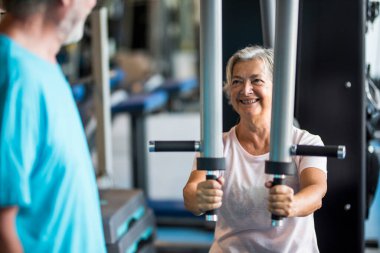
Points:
[(247, 87)]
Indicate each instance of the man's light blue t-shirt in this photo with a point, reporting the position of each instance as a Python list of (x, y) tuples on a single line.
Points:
[(45, 166)]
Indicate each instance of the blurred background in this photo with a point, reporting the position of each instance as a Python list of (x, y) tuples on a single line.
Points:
[(152, 93)]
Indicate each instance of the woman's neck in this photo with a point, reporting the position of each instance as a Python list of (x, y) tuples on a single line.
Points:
[(254, 137)]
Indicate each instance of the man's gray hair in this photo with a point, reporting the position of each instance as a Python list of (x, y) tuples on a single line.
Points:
[(247, 54), (25, 8)]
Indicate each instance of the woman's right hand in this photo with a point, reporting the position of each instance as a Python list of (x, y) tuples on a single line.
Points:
[(209, 194)]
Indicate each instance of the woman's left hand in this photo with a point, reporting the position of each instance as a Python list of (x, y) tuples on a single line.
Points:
[(281, 200)]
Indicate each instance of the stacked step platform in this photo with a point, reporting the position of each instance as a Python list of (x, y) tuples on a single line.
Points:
[(129, 225)]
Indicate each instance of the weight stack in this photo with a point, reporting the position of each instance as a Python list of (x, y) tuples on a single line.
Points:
[(128, 223)]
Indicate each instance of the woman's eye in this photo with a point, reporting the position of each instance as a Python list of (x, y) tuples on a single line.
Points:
[(257, 82), (235, 82)]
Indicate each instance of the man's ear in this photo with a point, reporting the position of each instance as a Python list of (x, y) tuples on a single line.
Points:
[(63, 6), (64, 3)]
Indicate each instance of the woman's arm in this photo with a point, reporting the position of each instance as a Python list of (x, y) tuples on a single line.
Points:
[(313, 187), (201, 195)]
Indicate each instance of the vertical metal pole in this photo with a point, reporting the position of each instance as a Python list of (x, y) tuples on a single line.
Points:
[(2, 12), (283, 83), (100, 70), (211, 77), (211, 82), (268, 17), (285, 53), (139, 170)]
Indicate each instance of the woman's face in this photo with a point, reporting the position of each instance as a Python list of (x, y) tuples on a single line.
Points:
[(251, 90)]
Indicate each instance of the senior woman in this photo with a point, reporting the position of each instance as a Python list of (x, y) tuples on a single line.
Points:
[(244, 218)]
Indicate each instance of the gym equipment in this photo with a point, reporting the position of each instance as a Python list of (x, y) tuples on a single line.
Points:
[(177, 88), (372, 165), (211, 159), (2, 12), (174, 146), (129, 225), (138, 106), (79, 87), (120, 208), (373, 11), (211, 146), (138, 239), (100, 70), (268, 13), (178, 230), (372, 233), (285, 51), (280, 162), (331, 67), (373, 135), (329, 102)]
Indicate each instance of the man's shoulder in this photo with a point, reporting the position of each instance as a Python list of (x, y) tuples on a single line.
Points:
[(19, 60)]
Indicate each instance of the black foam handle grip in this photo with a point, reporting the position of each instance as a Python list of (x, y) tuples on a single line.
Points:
[(174, 146), (327, 151), (277, 181), (211, 177)]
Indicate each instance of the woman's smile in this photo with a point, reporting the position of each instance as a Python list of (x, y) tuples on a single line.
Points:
[(249, 101)]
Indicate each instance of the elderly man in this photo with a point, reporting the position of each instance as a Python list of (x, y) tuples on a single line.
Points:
[(48, 195)]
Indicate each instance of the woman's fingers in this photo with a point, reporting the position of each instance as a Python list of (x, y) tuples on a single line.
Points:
[(209, 194), (268, 184), (281, 200), (221, 180), (211, 199), (206, 207)]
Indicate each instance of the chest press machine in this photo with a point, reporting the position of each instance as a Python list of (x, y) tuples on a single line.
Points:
[(280, 162), (285, 48)]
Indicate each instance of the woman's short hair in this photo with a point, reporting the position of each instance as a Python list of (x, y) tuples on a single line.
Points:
[(247, 54)]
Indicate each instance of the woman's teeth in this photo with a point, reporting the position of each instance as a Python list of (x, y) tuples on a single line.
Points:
[(248, 101)]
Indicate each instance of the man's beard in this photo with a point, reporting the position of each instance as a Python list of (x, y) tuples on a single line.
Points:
[(75, 35)]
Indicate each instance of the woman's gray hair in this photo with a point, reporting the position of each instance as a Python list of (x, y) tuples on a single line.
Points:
[(247, 54)]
